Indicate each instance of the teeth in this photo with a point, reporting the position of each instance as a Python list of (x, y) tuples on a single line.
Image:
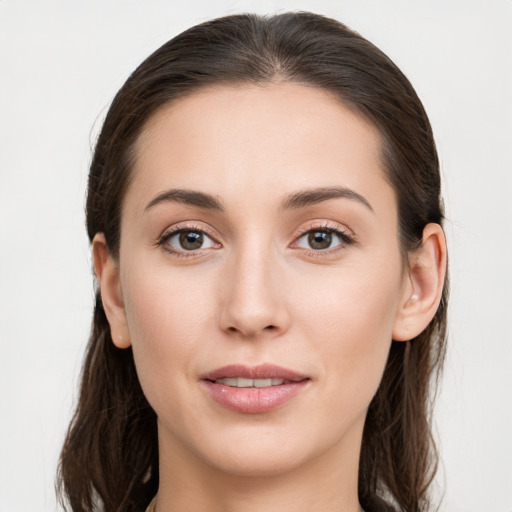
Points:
[(244, 383), (240, 382), (229, 382), (262, 383)]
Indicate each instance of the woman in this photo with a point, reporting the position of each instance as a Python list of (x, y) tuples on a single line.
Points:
[(265, 217)]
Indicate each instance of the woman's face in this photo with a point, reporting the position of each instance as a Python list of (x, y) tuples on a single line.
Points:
[(259, 241)]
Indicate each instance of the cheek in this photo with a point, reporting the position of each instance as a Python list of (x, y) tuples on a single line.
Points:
[(349, 326), (166, 317)]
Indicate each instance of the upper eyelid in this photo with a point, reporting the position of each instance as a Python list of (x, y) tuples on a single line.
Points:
[(326, 226), (187, 226)]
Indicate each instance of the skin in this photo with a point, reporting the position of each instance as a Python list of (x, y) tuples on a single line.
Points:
[(257, 292)]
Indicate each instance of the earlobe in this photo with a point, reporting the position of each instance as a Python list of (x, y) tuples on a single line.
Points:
[(107, 274), (424, 289)]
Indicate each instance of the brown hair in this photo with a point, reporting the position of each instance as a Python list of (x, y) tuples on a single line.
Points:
[(110, 455)]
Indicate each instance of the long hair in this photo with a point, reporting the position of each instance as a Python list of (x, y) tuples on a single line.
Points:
[(109, 460)]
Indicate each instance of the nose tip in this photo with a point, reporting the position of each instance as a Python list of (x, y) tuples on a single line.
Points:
[(253, 303), (252, 318)]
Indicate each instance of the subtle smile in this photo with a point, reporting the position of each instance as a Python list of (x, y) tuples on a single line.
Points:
[(253, 390)]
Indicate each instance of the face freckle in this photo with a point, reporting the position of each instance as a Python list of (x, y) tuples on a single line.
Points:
[(255, 290)]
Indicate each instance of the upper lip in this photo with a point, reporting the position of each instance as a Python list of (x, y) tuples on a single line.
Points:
[(262, 371)]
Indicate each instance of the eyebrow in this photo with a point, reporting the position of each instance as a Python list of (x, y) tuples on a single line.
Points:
[(191, 197), (299, 199), (313, 196)]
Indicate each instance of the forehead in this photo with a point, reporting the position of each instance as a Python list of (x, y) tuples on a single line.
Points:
[(248, 139), (304, 111)]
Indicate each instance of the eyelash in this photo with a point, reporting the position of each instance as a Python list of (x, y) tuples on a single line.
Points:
[(344, 237), (164, 239)]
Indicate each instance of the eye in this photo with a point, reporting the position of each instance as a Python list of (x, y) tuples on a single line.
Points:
[(187, 240), (323, 239)]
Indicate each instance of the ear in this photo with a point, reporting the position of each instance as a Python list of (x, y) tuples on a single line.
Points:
[(424, 285), (107, 274)]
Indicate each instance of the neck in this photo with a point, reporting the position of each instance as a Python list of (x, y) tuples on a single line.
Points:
[(328, 483)]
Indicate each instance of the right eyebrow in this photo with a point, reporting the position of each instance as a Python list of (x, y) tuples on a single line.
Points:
[(184, 196)]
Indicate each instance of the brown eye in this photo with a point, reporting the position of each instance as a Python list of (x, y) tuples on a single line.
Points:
[(190, 240), (187, 240), (319, 240), (323, 239)]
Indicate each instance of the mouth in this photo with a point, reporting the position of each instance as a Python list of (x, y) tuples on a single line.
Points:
[(256, 389)]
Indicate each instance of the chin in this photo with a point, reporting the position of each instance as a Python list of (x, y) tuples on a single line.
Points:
[(259, 463), (263, 450)]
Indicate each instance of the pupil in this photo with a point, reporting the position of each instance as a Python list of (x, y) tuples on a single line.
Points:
[(320, 239), (191, 240)]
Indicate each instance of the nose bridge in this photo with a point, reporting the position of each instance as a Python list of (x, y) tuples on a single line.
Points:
[(253, 302)]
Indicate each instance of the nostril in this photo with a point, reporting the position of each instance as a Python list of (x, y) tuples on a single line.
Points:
[(270, 327)]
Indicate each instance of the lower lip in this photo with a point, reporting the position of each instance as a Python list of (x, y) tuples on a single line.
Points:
[(254, 400)]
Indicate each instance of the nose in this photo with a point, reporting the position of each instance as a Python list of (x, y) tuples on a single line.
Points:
[(254, 299)]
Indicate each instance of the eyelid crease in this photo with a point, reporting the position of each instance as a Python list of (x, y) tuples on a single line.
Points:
[(326, 226), (185, 226)]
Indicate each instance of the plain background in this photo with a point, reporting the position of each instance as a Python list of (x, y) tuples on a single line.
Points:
[(62, 61)]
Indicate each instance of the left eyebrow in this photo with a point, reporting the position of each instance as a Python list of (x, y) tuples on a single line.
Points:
[(313, 196)]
